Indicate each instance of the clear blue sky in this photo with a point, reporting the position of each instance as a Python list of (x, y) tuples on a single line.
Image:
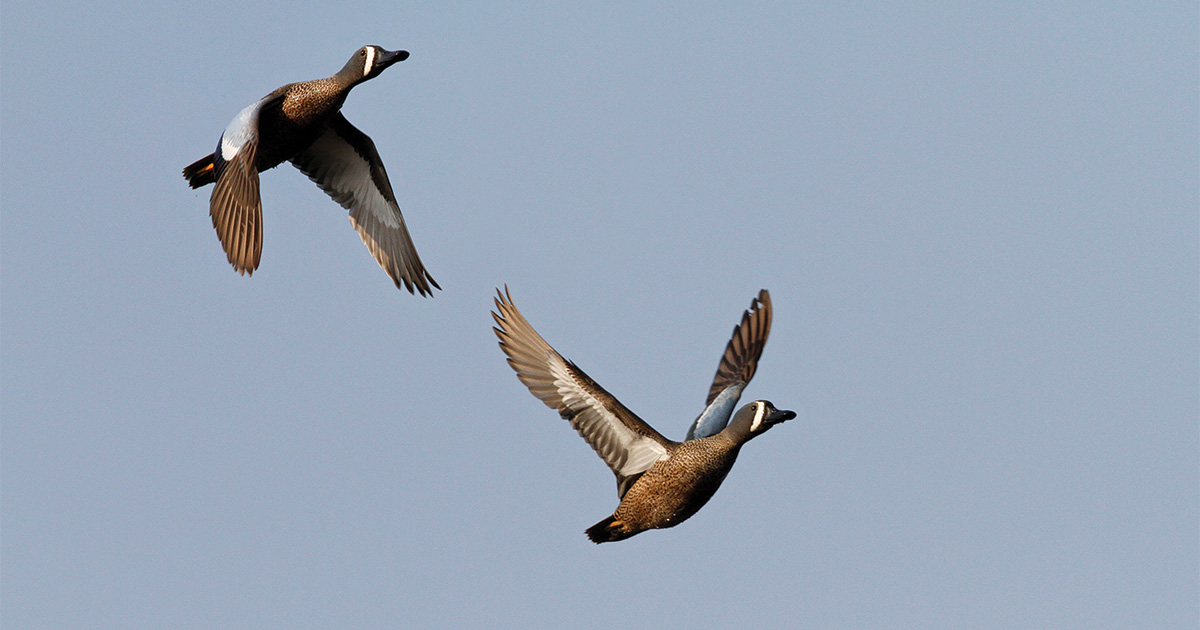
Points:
[(978, 224)]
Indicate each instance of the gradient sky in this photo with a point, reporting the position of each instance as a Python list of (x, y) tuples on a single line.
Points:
[(978, 223)]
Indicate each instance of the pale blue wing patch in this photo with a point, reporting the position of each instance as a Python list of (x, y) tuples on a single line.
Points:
[(716, 416)]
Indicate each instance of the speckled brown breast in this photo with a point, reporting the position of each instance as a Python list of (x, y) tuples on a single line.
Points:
[(299, 119), (676, 488)]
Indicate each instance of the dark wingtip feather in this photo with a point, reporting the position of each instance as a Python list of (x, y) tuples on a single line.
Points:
[(740, 359)]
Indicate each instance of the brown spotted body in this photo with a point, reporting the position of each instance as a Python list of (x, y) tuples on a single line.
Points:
[(302, 123), (672, 490), (298, 119), (660, 482)]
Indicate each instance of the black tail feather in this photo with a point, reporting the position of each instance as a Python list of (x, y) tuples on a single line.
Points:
[(611, 530), (200, 173), (599, 533)]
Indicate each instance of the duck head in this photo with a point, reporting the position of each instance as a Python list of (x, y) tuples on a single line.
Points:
[(367, 62), (755, 419)]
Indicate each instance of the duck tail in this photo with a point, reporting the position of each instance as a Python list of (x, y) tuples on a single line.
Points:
[(608, 530), (200, 173)]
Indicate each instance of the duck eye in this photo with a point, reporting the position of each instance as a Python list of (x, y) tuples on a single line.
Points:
[(362, 53)]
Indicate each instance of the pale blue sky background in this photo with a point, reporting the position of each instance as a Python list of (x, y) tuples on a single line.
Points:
[(978, 224)]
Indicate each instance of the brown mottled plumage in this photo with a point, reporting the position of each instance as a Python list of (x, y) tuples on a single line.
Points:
[(660, 482), (302, 123), (672, 490)]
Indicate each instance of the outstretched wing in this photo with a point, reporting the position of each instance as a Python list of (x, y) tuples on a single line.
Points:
[(344, 163), (624, 441), (235, 206), (737, 367)]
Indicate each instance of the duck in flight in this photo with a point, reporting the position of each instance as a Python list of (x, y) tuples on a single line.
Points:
[(302, 123), (660, 482)]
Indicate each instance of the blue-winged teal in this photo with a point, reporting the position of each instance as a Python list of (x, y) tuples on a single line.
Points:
[(302, 123), (660, 482)]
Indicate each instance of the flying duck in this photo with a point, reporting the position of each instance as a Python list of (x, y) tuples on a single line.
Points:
[(660, 482), (302, 123)]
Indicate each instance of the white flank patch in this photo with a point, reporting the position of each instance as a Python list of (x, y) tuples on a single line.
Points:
[(238, 131)]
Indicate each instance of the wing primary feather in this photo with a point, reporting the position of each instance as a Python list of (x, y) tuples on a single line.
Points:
[(236, 209), (344, 163), (739, 362), (624, 441), (737, 366)]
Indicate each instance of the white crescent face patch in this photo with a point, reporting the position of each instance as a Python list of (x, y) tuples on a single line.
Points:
[(370, 61), (760, 410)]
